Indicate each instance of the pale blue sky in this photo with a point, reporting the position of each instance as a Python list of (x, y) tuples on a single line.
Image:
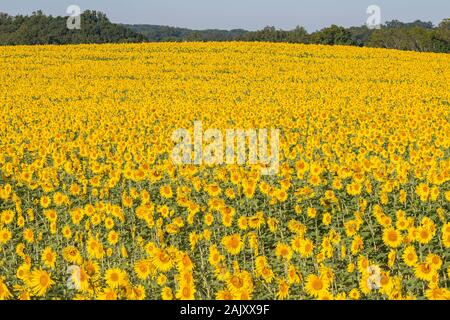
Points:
[(246, 14)]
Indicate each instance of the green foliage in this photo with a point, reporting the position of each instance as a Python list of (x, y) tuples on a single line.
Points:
[(416, 36), (154, 33), (96, 28), (41, 29), (333, 35)]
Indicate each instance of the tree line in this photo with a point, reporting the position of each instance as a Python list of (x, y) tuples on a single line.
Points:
[(416, 36), (96, 28), (42, 29)]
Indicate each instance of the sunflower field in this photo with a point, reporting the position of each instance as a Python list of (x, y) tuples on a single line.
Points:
[(92, 207)]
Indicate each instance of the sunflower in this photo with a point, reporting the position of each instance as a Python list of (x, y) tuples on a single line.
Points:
[(236, 283), (45, 202), (22, 293), (162, 260), (267, 274), (166, 192), (233, 243), (5, 235), (186, 292), (311, 212), (48, 257), (4, 292), (58, 198), (272, 223), (434, 260), (315, 285), (354, 294), (166, 293), (402, 224), (410, 256), (351, 228), (256, 221), (392, 256), (94, 248), (446, 240), (229, 192), (423, 191), (213, 190), (424, 235), (260, 263), (240, 282), (350, 267), (138, 293), (326, 219), (144, 269), (7, 217), (281, 195), (72, 255), (184, 263), (283, 289), (424, 271), (66, 232), (242, 223), (209, 219), (357, 244), (23, 272), (283, 251), (115, 277), (249, 191), (243, 295), (437, 294), (224, 295), (214, 255), (107, 294), (92, 269), (326, 296), (113, 237), (293, 276), (306, 248), (109, 223), (74, 189), (341, 296), (392, 237), (28, 235), (185, 278), (40, 282), (161, 280)]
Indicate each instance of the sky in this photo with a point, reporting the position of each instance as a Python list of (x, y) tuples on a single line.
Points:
[(242, 14)]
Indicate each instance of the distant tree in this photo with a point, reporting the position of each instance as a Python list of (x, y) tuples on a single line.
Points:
[(397, 24), (39, 28), (298, 35), (416, 36), (194, 36), (360, 35), (268, 34), (333, 35), (441, 36)]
